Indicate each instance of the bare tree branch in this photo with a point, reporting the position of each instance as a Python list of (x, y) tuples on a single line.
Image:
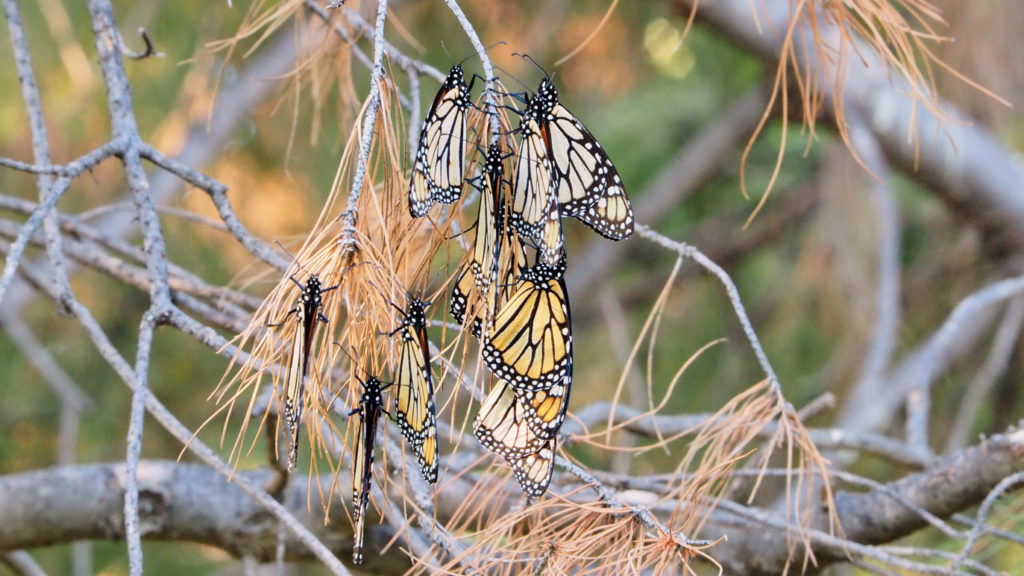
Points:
[(960, 160), (180, 502), (874, 517)]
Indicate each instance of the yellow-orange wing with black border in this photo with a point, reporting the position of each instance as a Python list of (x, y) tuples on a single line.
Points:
[(414, 388)]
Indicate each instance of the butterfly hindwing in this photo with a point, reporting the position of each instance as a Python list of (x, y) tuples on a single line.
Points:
[(533, 472), (502, 427)]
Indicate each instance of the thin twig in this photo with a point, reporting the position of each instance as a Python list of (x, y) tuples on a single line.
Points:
[(887, 293), (692, 253), (348, 239), (411, 66), (485, 62), (983, 510), (1004, 344), (22, 563)]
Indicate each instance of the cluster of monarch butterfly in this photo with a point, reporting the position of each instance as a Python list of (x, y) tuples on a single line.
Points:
[(522, 309), (511, 294)]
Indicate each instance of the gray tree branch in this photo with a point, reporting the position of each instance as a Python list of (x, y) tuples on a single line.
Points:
[(877, 516), (179, 502)]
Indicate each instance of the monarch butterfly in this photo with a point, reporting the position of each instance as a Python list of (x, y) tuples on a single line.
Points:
[(533, 189), (502, 427), (308, 312), (530, 342), (485, 246), (585, 181), (439, 166), (414, 401), (371, 404)]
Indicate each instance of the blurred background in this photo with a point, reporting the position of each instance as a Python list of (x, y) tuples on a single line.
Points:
[(646, 86)]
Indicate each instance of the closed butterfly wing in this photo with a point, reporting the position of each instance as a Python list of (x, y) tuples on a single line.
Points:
[(501, 425), (440, 158), (308, 313), (551, 244), (414, 394), (532, 187), (534, 472), (480, 272), (370, 407)]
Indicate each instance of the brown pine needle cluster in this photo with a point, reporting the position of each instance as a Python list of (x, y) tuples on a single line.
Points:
[(570, 534)]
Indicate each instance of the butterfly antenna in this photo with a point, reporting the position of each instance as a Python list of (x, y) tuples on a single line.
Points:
[(291, 256), (467, 57), (505, 72), (535, 63), (446, 53), (386, 299)]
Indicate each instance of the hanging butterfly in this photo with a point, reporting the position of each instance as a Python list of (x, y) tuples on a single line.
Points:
[(493, 246), (371, 404), (501, 427), (414, 400), (530, 342), (308, 313), (440, 158), (486, 249), (585, 181), (533, 186)]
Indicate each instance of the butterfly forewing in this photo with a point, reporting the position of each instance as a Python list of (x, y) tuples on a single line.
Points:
[(530, 341), (440, 158), (532, 187)]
